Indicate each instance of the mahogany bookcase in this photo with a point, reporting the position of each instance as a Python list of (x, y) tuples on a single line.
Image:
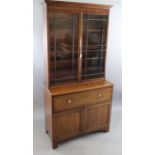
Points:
[(78, 97)]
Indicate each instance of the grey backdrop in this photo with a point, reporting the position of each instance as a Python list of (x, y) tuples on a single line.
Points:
[(113, 66)]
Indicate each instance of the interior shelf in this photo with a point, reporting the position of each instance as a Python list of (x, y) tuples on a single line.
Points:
[(93, 30), (105, 20)]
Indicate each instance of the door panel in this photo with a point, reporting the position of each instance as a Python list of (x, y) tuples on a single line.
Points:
[(63, 47), (94, 45), (96, 117), (67, 124)]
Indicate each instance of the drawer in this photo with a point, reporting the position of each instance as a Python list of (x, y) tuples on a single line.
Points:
[(84, 98)]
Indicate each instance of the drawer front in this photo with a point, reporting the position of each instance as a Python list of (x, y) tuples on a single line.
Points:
[(75, 100)]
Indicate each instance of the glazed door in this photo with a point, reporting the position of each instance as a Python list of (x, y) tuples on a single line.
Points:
[(94, 45), (67, 124), (62, 34), (77, 46), (96, 117)]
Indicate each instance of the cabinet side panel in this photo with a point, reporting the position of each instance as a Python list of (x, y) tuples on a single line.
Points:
[(109, 112), (48, 111), (107, 33), (45, 46)]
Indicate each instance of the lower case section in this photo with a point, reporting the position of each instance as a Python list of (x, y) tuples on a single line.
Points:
[(73, 123)]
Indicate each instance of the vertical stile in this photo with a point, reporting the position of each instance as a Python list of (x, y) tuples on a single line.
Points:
[(86, 45), (101, 56), (105, 55), (54, 49), (73, 42), (80, 40)]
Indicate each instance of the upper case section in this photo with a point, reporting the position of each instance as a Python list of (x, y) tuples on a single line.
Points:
[(77, 39)]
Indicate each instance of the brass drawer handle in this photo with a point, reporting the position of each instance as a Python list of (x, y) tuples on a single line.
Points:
[(69, 101), (99, 95)]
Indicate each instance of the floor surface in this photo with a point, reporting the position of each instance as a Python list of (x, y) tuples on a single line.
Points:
[(94, 144)]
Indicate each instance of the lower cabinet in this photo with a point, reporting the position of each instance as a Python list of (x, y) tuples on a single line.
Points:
[(72, 123), (73, 114)]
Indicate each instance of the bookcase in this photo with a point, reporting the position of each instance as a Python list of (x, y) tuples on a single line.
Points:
[(78, 97)]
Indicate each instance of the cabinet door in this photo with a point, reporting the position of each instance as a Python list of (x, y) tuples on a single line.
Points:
[(94, 45), (96, 117), (62, 34), (67, 124)]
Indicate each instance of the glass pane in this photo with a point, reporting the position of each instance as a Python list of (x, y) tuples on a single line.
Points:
[(94, 45), (63, 47)]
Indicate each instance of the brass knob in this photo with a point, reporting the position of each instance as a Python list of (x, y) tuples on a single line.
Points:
[(99, 95), (69, 101)]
